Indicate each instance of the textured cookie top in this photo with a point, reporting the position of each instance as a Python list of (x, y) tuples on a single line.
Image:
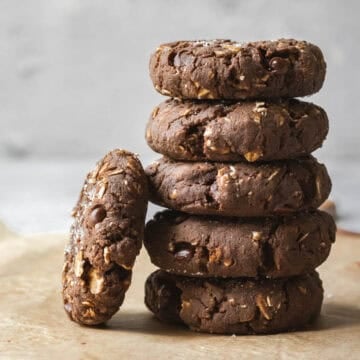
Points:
[(224, 69), (239, 189), (235, 131)]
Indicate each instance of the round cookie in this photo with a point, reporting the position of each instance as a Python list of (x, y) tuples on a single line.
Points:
[(227, 131), (273, 247), (235, 306), (105, 237), (239, 189), (224, 69)]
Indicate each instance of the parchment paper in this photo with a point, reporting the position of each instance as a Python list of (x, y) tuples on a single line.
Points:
[(33, 324)]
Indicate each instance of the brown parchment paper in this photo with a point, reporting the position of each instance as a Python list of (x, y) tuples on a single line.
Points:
[(33, 324)]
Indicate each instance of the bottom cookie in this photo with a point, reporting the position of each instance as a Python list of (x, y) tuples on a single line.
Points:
[(235, 306)]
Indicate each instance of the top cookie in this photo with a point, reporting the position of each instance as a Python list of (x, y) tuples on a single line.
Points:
[(224, 69)]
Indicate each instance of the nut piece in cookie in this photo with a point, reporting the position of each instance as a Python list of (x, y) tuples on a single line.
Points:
[(105, 237)]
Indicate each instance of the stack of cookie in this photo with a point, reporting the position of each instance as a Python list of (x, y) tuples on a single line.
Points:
[(239, 248)]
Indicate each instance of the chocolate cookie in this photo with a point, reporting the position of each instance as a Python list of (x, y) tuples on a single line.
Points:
[(105, 238), (235, 306), (224, 69), (204, 246), (239, 189), (228, 131)]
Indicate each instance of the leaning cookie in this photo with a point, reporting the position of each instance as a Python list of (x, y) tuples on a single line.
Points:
[(224, 69), (106, 236), (235, 306), (239, 189), (228, 131), (273, 247)]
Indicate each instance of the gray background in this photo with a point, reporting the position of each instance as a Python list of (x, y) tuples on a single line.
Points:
[(74, 84)]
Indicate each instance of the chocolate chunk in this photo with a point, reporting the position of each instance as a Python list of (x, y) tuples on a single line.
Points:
[(183, 251), (97, 215), (280, 65)]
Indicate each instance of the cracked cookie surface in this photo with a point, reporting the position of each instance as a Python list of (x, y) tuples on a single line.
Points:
[(224, 69), (236, 131), (105, 237), (204, 246), (239, 189), (235, 306)]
